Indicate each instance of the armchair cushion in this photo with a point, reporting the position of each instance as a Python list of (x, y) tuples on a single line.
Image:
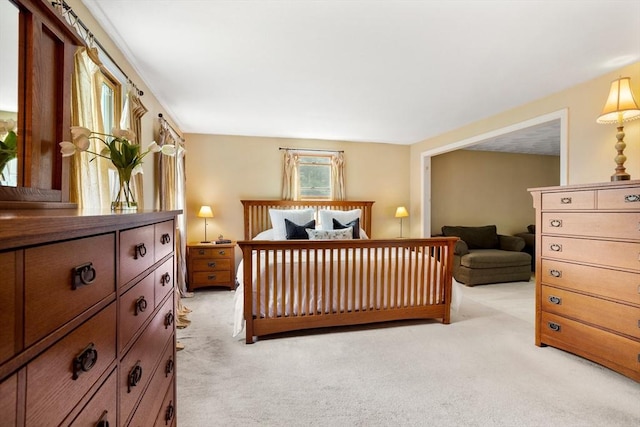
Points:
[(460, 248), (511, 243), (484, 237)]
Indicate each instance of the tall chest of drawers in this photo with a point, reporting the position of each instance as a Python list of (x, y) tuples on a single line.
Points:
[(88, 331), (588, 272)]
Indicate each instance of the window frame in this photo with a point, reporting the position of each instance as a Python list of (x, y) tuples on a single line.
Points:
[(328, 165)]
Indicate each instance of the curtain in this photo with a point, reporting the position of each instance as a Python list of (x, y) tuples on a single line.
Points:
[(172, 195), (89, 178), (338, 191), (132, 113), (290, 175)]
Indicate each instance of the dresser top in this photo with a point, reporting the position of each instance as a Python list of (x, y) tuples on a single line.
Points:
[(593, 186)]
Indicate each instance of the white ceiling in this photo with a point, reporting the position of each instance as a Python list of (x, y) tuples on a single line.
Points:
[(377, 71)]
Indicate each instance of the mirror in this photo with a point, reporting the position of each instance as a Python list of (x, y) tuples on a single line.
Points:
[(9, 21)]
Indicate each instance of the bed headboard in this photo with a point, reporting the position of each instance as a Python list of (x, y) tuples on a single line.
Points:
[(256, 212)]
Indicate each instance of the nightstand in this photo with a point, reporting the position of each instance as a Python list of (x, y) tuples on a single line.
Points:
[(211, 265)]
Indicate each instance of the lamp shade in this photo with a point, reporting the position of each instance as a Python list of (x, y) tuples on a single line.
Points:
[(205, 212), (620, 105), (401, 212)]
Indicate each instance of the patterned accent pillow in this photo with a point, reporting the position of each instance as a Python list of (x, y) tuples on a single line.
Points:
[(355, 226), (344, 234)]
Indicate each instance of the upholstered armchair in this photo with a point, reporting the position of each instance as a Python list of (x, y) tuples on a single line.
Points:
[(483, 256)]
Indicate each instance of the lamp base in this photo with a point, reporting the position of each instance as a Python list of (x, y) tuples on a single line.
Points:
[(206, 241), (620, 177)]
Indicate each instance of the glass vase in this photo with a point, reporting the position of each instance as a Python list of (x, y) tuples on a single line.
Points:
[(124, 198)]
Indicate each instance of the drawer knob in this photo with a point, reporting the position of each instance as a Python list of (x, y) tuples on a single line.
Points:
[(140, 306), (565, 200), (168, 320), (555, 300), (141, 250), (166, 238), (165, 279), (555, 273), (83, 274), (556, 223), (222, 252), (201, 252), (211, 277), (103, 421), (84, 361), (553, 326), (211, 264), (632, 198), (168, 416), (555, 247), (134, 376), (168, 369)]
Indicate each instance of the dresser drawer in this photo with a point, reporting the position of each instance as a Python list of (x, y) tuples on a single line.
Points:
[(9, 400), (618, 285), (606, 253), (212, 278), (101, 407), (619, 198), (611, 350), (136, 305), (88, 265), (167, 414), (8, 312), (164, 281), (617, 317), (213, 264), (142, 359), (164, 239), (161, 384), (617, 225), (55, 380), (137, 248), (569, 200)]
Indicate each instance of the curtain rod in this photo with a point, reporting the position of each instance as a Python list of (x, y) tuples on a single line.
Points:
[(66, 9), (311, 150), (170, 127)]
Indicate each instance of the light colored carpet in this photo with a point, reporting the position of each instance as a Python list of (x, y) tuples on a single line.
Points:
[(481, 370)]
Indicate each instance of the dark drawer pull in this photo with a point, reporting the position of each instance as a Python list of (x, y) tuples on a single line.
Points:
[(211, 277), (83, 274), (103, 421), (555, 273), (555, 300), (165, 279), (141, 305), (166, 238), (632, 198), (134, 376), (222, 252), (211, 264), (168, 320), (556, 223), (555, 247), (565, 200), (553, 326), (168, 416), (84, 361), (201, 252), (141, 250), (168, 369)]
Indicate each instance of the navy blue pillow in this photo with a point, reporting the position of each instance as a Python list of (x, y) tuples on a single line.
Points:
[(355, 225), (298, 232)]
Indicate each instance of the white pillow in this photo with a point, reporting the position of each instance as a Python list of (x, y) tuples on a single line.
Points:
[(265, 235), (298, 216), (325, 217), (342, 234)]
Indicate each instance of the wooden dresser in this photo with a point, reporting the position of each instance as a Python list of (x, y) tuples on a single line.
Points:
[(87, 318), (588, 272), (211, 265)]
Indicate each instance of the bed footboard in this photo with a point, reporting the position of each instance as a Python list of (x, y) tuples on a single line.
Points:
[(295, 285)]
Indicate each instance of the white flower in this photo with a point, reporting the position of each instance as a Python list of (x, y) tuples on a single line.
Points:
[(154, 147), (78, 131), (169, 150), (123, 134), (137, 169), (67, 148)]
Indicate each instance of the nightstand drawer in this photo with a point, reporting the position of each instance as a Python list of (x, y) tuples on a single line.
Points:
[(214, 264), (212, 278), (197, 253)]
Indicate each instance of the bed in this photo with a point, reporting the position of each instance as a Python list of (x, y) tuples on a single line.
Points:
[(290, 285)]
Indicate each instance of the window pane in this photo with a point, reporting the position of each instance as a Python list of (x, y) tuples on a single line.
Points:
[(315, 180)]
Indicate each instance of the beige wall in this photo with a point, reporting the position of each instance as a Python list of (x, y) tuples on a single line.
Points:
[(480, 188), (590, 145), (222, 170)]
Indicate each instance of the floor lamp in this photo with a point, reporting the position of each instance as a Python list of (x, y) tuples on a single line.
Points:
[(401, 212), (205, 212)]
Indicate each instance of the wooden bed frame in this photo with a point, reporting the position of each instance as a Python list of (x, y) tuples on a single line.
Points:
[(391, 279)]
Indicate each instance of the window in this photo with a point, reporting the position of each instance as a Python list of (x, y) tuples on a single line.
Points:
[(314, 175), (110, 106)]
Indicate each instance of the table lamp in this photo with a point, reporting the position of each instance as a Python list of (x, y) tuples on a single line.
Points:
[(205, 212), (401, 212)]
